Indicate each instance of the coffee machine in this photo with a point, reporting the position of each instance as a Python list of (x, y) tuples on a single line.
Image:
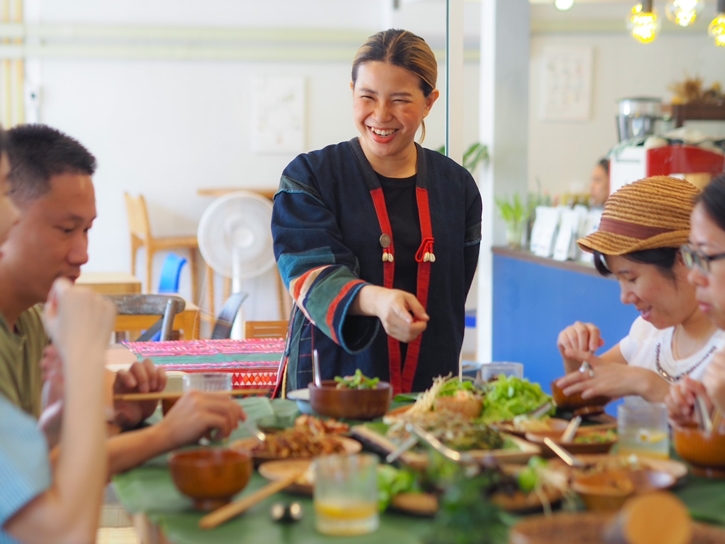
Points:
[(636, 117)]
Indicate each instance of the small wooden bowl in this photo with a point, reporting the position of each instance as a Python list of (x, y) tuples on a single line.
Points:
[(210, 476), (576, 402), (358, 404), (168, 404), (705, 453), (608, 490)]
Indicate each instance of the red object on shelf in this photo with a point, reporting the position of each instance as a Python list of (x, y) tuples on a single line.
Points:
[(683, 159)]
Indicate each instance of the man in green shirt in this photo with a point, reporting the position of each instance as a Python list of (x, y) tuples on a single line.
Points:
[(51, 185)]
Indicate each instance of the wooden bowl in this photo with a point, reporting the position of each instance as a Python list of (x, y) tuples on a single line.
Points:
[(576, 402), (359, 404), (210, 476), (608, 490), (168, 404), (705, 453)]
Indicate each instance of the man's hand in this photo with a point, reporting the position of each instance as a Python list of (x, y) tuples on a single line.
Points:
[(198, 414), (142, 377)]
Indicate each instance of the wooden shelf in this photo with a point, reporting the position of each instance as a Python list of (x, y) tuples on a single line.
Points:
[(697, 112)]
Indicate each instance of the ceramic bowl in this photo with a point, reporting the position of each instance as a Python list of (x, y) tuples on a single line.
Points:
[(210, 476), (576, 402), (704, 452), (608, 490), (359, 404)]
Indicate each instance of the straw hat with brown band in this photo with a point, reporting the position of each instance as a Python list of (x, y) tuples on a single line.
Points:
[(648, 214)]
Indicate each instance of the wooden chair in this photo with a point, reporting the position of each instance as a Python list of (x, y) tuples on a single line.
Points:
[(140, 231), (265, 329), (165, 306)]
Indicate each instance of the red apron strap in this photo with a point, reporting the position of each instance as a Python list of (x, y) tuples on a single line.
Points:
[(401, 379)]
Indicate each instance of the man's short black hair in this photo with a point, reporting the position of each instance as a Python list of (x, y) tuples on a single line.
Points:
[(39, 152)]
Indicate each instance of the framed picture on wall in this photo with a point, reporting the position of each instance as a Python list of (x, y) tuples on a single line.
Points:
[(566, 83), (278, 115)]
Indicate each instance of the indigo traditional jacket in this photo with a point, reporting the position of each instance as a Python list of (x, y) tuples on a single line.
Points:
[(327, 241)]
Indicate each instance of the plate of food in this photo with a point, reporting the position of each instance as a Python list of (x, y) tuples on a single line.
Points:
[(310, 437), (602, 462), (587, 441), (520, 425)]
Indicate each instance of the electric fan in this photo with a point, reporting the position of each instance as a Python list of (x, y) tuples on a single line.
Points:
[(235, 239)]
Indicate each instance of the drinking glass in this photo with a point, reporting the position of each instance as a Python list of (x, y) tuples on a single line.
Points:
[(208, 381), (346, 494), (491, 371), (642, 428)]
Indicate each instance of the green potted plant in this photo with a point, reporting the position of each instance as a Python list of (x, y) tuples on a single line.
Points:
[(515, 214)]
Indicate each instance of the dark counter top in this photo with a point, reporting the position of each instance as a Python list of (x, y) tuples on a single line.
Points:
[(526, 255)]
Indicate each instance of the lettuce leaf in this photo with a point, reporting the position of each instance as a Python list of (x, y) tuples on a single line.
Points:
[(510, 396)]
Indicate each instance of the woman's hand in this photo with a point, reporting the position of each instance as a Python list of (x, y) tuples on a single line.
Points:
[(714, 380), (612, 380), (681, 400), (582, 337), (402, 315)]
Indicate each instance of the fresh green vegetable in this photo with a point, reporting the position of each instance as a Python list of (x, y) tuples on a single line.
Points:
[(391, 482), (529, 477), (356, 381), (454, 385), (510, 396)]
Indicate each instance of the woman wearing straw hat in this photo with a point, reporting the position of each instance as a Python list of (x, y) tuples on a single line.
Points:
[(642, 228), (704, 256)]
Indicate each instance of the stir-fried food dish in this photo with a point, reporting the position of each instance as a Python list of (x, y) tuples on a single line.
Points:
[(596, 437), (309, 437)]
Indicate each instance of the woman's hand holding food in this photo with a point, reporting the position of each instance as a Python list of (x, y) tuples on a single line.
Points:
[(579, 337), (612, 380), (402, 315), (198, 414), (714, 380), (681, 400)]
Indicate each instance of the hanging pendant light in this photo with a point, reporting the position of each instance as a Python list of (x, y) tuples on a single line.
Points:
[(563, 5), (644, 22), (683, 12), (717, 26)]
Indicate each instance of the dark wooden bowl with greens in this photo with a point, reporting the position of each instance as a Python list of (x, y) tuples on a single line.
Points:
[(354, 397)]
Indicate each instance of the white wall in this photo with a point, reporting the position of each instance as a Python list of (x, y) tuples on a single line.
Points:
[(563, 154), (168, 128)]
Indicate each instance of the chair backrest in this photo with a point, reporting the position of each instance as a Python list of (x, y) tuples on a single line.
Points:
[(166, 306), (170, 273), (138, 217), (265, 329), (227, 315)]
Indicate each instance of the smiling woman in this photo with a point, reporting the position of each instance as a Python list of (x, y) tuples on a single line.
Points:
[(379, 230), (638, 241)]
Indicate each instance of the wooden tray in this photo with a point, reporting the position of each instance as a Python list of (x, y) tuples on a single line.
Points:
[(419, 461)]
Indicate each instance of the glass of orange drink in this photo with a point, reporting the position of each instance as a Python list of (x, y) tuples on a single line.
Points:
[(346, 494)]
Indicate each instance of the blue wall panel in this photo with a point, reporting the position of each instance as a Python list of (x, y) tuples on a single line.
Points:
[(533, 302)]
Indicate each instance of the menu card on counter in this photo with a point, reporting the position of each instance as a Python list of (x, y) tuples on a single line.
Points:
[(569, 228), (543, 234), (589, 224)]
